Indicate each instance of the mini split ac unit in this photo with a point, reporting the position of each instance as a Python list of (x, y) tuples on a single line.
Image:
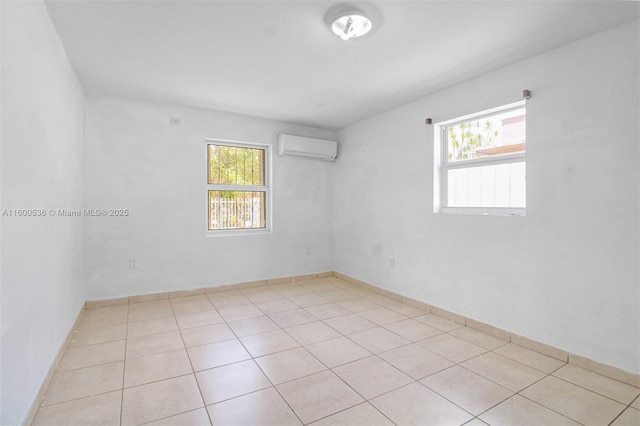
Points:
[(300, 146)]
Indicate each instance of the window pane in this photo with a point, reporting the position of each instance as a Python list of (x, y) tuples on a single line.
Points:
[(237, 210), (502, 185), (232, 165), (498, 134)]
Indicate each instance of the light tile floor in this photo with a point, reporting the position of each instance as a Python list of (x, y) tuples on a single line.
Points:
[(319, 352)]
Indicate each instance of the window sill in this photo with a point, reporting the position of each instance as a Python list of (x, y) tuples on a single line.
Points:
[(484, 211), (237, 232)]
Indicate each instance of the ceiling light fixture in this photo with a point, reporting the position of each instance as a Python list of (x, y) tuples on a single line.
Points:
[(351, 24)]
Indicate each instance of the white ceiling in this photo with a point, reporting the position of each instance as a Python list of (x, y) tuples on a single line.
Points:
[(279, 59)]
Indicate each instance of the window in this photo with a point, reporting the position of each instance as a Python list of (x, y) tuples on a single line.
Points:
[(238, 192), (482, 162)]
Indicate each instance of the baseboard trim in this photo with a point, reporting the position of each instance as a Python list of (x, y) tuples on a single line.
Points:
[(52, 369), (534, 345), (606, 370), (192, 292)]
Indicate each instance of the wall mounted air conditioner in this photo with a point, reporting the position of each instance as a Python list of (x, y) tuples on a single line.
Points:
[(300, 146)]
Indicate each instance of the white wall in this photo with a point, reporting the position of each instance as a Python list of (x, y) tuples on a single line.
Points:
[(567, 273), (42, 116), (135, 159)]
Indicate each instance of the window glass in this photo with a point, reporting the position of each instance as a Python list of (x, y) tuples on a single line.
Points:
[(500, 185), (237, 209), (483, 162), (237, 187), (497, 134), (236, 165)]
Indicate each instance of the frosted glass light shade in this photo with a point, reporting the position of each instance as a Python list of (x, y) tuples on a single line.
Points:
[(351, 24)]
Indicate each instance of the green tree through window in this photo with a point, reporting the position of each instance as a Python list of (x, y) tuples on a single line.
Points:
[(237, 187), (466, 138)]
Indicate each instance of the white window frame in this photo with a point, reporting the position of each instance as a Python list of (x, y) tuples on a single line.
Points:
[(442, 165), (257, 188)]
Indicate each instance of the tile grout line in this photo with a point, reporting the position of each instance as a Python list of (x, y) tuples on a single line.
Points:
[(457, 364), (376, 325), (442, 313), (487, 350), (164, 418), (629, 406), (372, 354), (390, 390), (327, 368), (254, 358), (548, 408), (259, 367), (62, 355), (43, 390), (382, 326), (124, 362), (592, 391), (370, 290), (126, 339), (193, 370), (519, 393), (418, 381)]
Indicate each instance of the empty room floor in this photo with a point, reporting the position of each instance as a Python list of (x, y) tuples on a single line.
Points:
[(319, 352)]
